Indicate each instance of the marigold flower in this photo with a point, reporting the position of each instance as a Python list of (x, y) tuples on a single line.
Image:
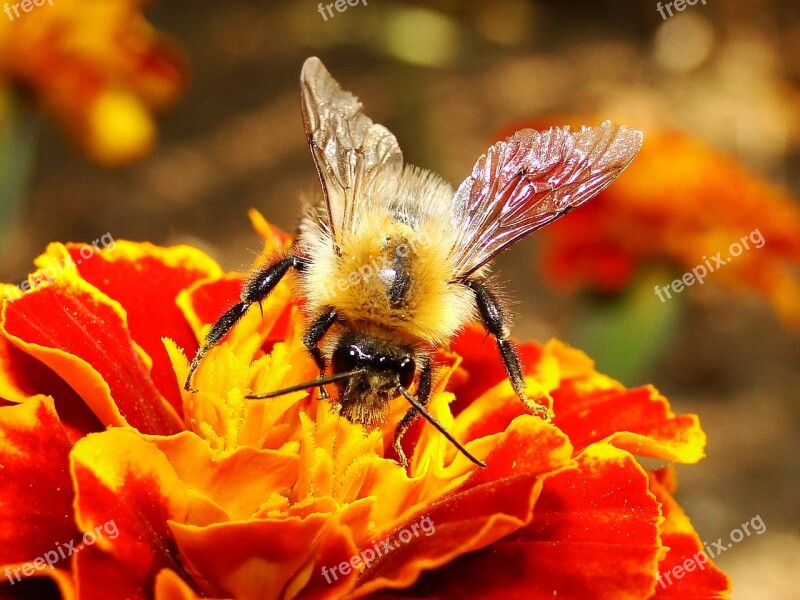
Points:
[(98, 67), (212, 495), (677, 206)]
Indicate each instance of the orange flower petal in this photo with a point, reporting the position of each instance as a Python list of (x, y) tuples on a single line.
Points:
[(275, 239), (588, 406), (35, 485), (698, 579), (22, 377), (171, 587), (146, 281), (56, 584), (266, 556), (236, 480), (82, 335), (126, 492)]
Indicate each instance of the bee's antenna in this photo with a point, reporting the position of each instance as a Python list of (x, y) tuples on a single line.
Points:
[(306, 385), (421, 409)]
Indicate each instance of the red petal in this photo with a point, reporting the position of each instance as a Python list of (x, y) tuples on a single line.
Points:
[(594, 535), (492, 503), (205, 301), (146, 281), (482, 365), (82, 336), (638, 420), (101, 577)]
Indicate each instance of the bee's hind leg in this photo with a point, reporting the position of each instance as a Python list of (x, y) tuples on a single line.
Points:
[(496, 323), (254, 290), (423, 395), (312, 338)]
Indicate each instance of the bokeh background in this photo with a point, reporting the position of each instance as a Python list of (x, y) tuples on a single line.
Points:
[(446, 77)]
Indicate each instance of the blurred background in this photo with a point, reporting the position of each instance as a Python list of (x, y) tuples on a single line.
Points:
[(714, 87)]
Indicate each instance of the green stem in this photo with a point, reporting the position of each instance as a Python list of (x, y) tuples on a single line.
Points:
[(628, 335), (19, 132)]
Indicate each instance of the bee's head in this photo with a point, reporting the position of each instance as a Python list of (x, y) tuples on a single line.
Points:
[(364, 397)]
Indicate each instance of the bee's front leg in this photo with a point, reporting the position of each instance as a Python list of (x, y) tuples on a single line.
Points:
[(423, 395), (312, 338), (258, 287), (496, 323)]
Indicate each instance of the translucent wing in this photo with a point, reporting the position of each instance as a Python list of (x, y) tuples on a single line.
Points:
[(348, 148), (530, 180)]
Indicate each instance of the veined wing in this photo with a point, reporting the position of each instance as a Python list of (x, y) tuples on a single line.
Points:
[(531, 179), (347, 147)]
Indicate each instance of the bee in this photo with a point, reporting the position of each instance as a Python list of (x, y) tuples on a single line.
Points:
[(392, 261)]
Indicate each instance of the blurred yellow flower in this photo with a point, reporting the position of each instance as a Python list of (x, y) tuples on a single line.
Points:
[(98, 67)]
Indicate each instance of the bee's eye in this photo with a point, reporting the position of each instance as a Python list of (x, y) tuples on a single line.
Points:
[(345, 358), (406, 370)]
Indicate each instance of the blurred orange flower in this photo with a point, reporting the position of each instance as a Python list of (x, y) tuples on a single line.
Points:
[(212, 495), (677, 206), (96, 65)]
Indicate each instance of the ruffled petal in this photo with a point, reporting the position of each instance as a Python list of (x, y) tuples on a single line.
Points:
[(146, 281), (126, 493), (594, 534), (47, 584), (491, 504), (82, 335), (235, 480), (171, 587), (264, 557), (687, 571), (23, 377), (35, 485)]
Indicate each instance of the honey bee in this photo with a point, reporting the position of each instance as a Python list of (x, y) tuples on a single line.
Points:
[(413, 253)]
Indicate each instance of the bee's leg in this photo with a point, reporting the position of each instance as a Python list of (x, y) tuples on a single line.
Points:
[(496, 323), (423, 395), (312, 338), (255, 290)]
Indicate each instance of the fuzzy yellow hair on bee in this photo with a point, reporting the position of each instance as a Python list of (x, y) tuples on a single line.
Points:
[(392, 261)]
